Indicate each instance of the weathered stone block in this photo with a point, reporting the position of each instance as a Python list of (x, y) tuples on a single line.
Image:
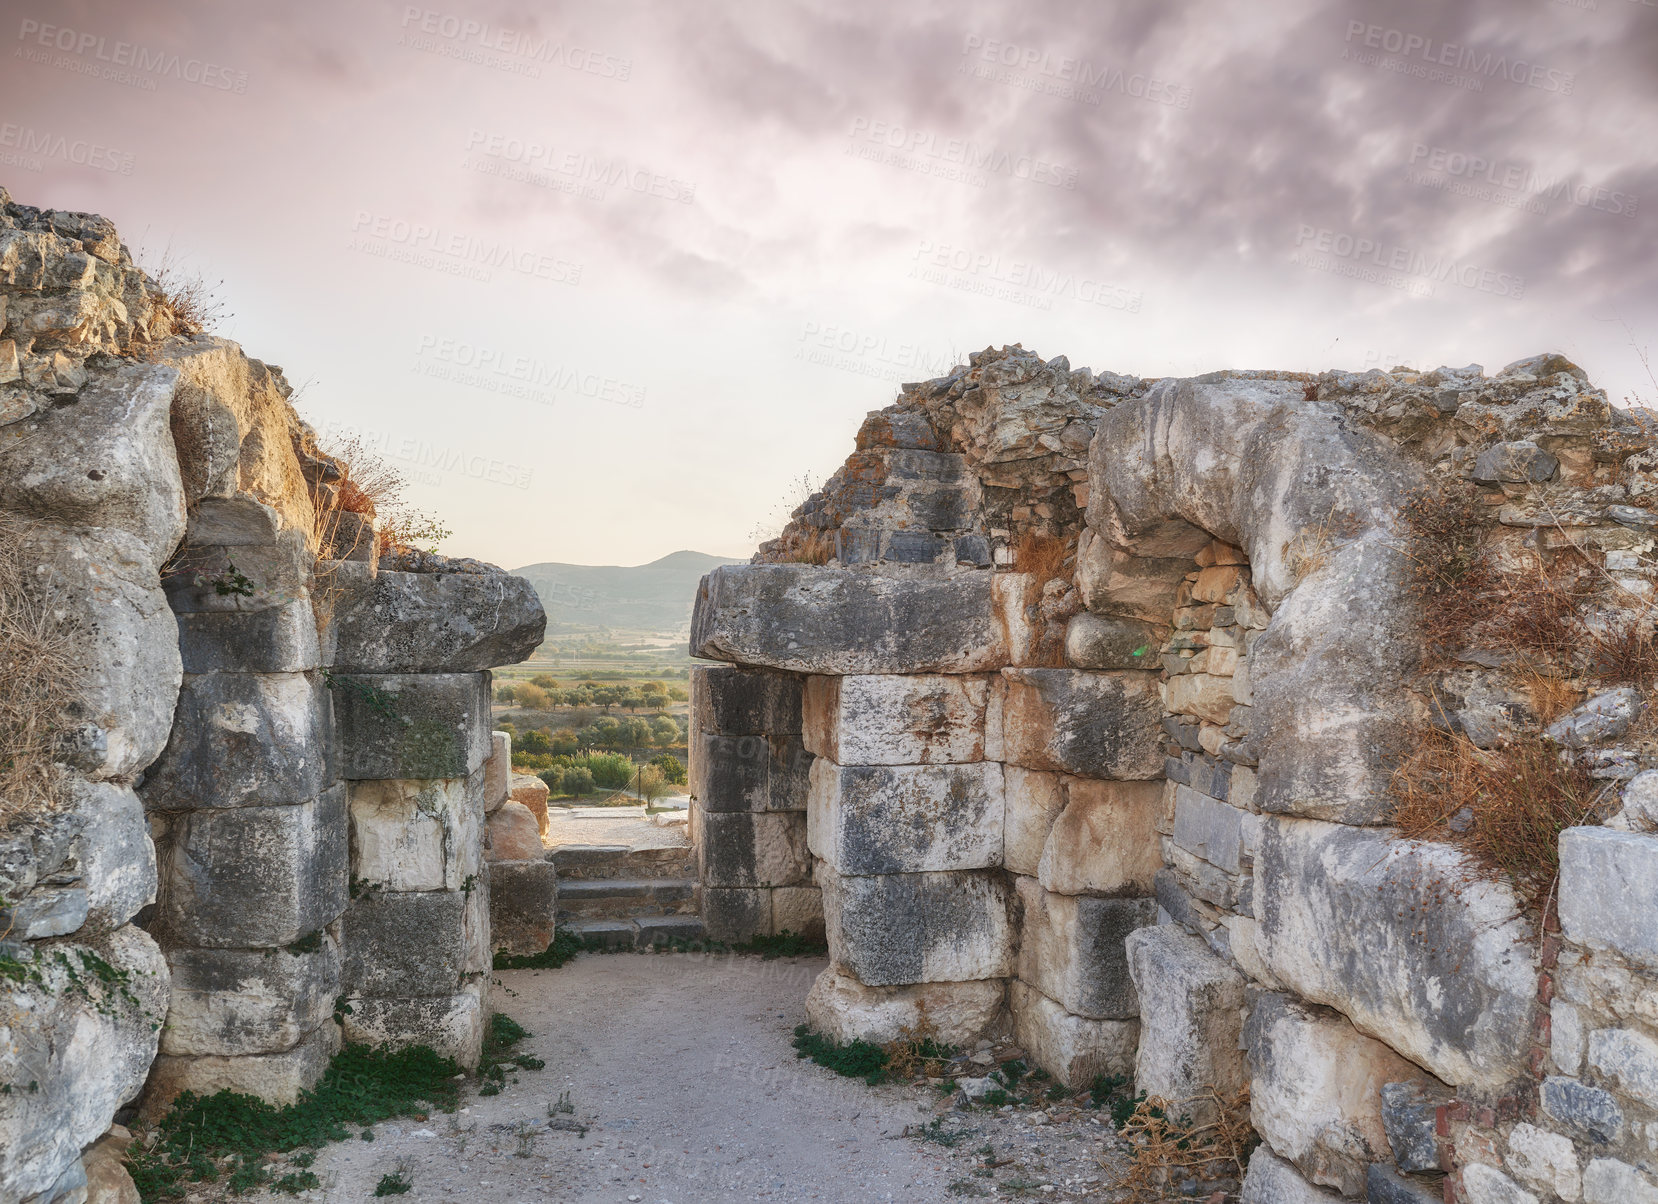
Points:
[(1482, 1184), (1609, 891), (451, 1025), (1032, 801), (1210, 830), (1115, 583), (1410, 1110), (1628, 1061), (954, 1013), (1201, 694), (749, 773), (513, 834), (1100, 642), (276, 639), (523, 903), (415, 835), (925, 719), (1608, 1181), (1098, 725), (1071, 1048), (797, 909), (894, 929), (739, 700), (532, 792), (246, 577), (1072, 950), (243, 740), (87, 1052), (742, 848), (1589, 1112), (735, 914), (1360, 921), (235, 1002), (1191, 1005), (421, 725), (116, 854), (276, 1078), (1546, 1161), (1105, 841), (808, 619), (1384, 1185), (906, 819), (498, 770), (1315, 1094), (436, 623), (255, 877), (404, 943), (1272, 1180)]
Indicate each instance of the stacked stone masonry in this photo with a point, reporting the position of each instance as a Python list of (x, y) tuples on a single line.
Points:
[(270, 776), (1104, 684)]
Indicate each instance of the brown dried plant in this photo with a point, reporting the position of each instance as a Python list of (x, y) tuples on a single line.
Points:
[(1167, 1143), (37, 666), (808, 547), (183, 300)]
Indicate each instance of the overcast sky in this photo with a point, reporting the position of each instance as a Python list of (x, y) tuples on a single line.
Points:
[(605, 279)]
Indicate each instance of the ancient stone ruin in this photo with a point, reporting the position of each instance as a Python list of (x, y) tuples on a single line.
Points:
[(259, 823), (1170, 724)]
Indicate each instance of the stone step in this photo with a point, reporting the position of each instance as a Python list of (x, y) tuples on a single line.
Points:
[(625, 898), (636, 933), (583, 862)]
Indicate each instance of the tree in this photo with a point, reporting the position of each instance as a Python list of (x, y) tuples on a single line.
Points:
[(664, 731), (535, 743), (545, 681), (654, 695), (671, 769), (506, 693), (564, 744), (533, 697), (652, 785), (635, 733)]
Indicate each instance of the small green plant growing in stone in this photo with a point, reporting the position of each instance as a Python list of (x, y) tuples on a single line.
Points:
[(525, 1134), (565, 945), (783, 944), (396, 1182), (562, 1106), (309, 943), (381, 702), (497, 1058), (874, 1064), (232, 583)]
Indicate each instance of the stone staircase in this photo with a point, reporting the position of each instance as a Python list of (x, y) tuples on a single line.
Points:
[(624, 897)]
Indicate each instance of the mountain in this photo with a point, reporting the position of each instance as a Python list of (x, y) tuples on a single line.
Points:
[(645, 597)]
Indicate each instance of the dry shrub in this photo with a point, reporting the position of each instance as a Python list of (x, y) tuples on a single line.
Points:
[(811, 546), (372, 488), (1626, 654), (1504, 807), (1167, 1144), (1041, 556), (40, 685), (187, 303)]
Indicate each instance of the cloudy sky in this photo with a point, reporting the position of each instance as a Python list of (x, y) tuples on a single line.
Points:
[(606, 279)]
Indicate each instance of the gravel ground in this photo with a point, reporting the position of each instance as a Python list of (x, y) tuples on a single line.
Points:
[(685, 1089), (610, 825)]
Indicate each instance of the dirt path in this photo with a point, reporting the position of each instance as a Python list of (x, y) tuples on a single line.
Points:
[(680, 1067)]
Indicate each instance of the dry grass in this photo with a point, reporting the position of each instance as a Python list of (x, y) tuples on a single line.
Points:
[(36, 665), (184, 299), (1504, 807), (1042, 556), (811, 546), (373, 489), (1167, 1145)]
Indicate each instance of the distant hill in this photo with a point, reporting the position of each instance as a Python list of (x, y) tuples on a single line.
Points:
[(645, 597)]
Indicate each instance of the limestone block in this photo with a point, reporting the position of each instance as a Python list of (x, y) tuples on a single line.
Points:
[(1315, 1090), (736, 914), (498, 772), (1608, 1181), (1115, 583), (1609, 891), (422, 725), (1271, 1180), (1072, 949), (276, 1078), (741, 700), (810, 619), (403, 943), (906, 818), (1191, 1005), (1410, 1118), (742, 848), (749, 773), (513, 834), (1628, 1061), (1105, 840), (477, 937), (232, 522), (1202, 694), (1210, 830), (1384, 1185), (276, 639), (954, 1013), (924, 719), (1073, 1049), (107, 1180), (423, 834), (797, 909), (1589, 1112), (1032, 801), (1357, 920), (255, 877), (893, 929), (87, 1052), (436, 622), (243, 740), (1101, 642), (523, 903), (1546, 1161), (1099, 725), (116, 855), (532, 792), (234, 1002), (1482, 1184), (214, 578), (451, 1025)]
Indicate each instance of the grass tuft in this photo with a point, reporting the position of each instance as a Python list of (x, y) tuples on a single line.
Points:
[(874, 1064)]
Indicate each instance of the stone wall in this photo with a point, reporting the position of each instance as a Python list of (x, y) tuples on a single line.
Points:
[(269, 782), (1104, 750)]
